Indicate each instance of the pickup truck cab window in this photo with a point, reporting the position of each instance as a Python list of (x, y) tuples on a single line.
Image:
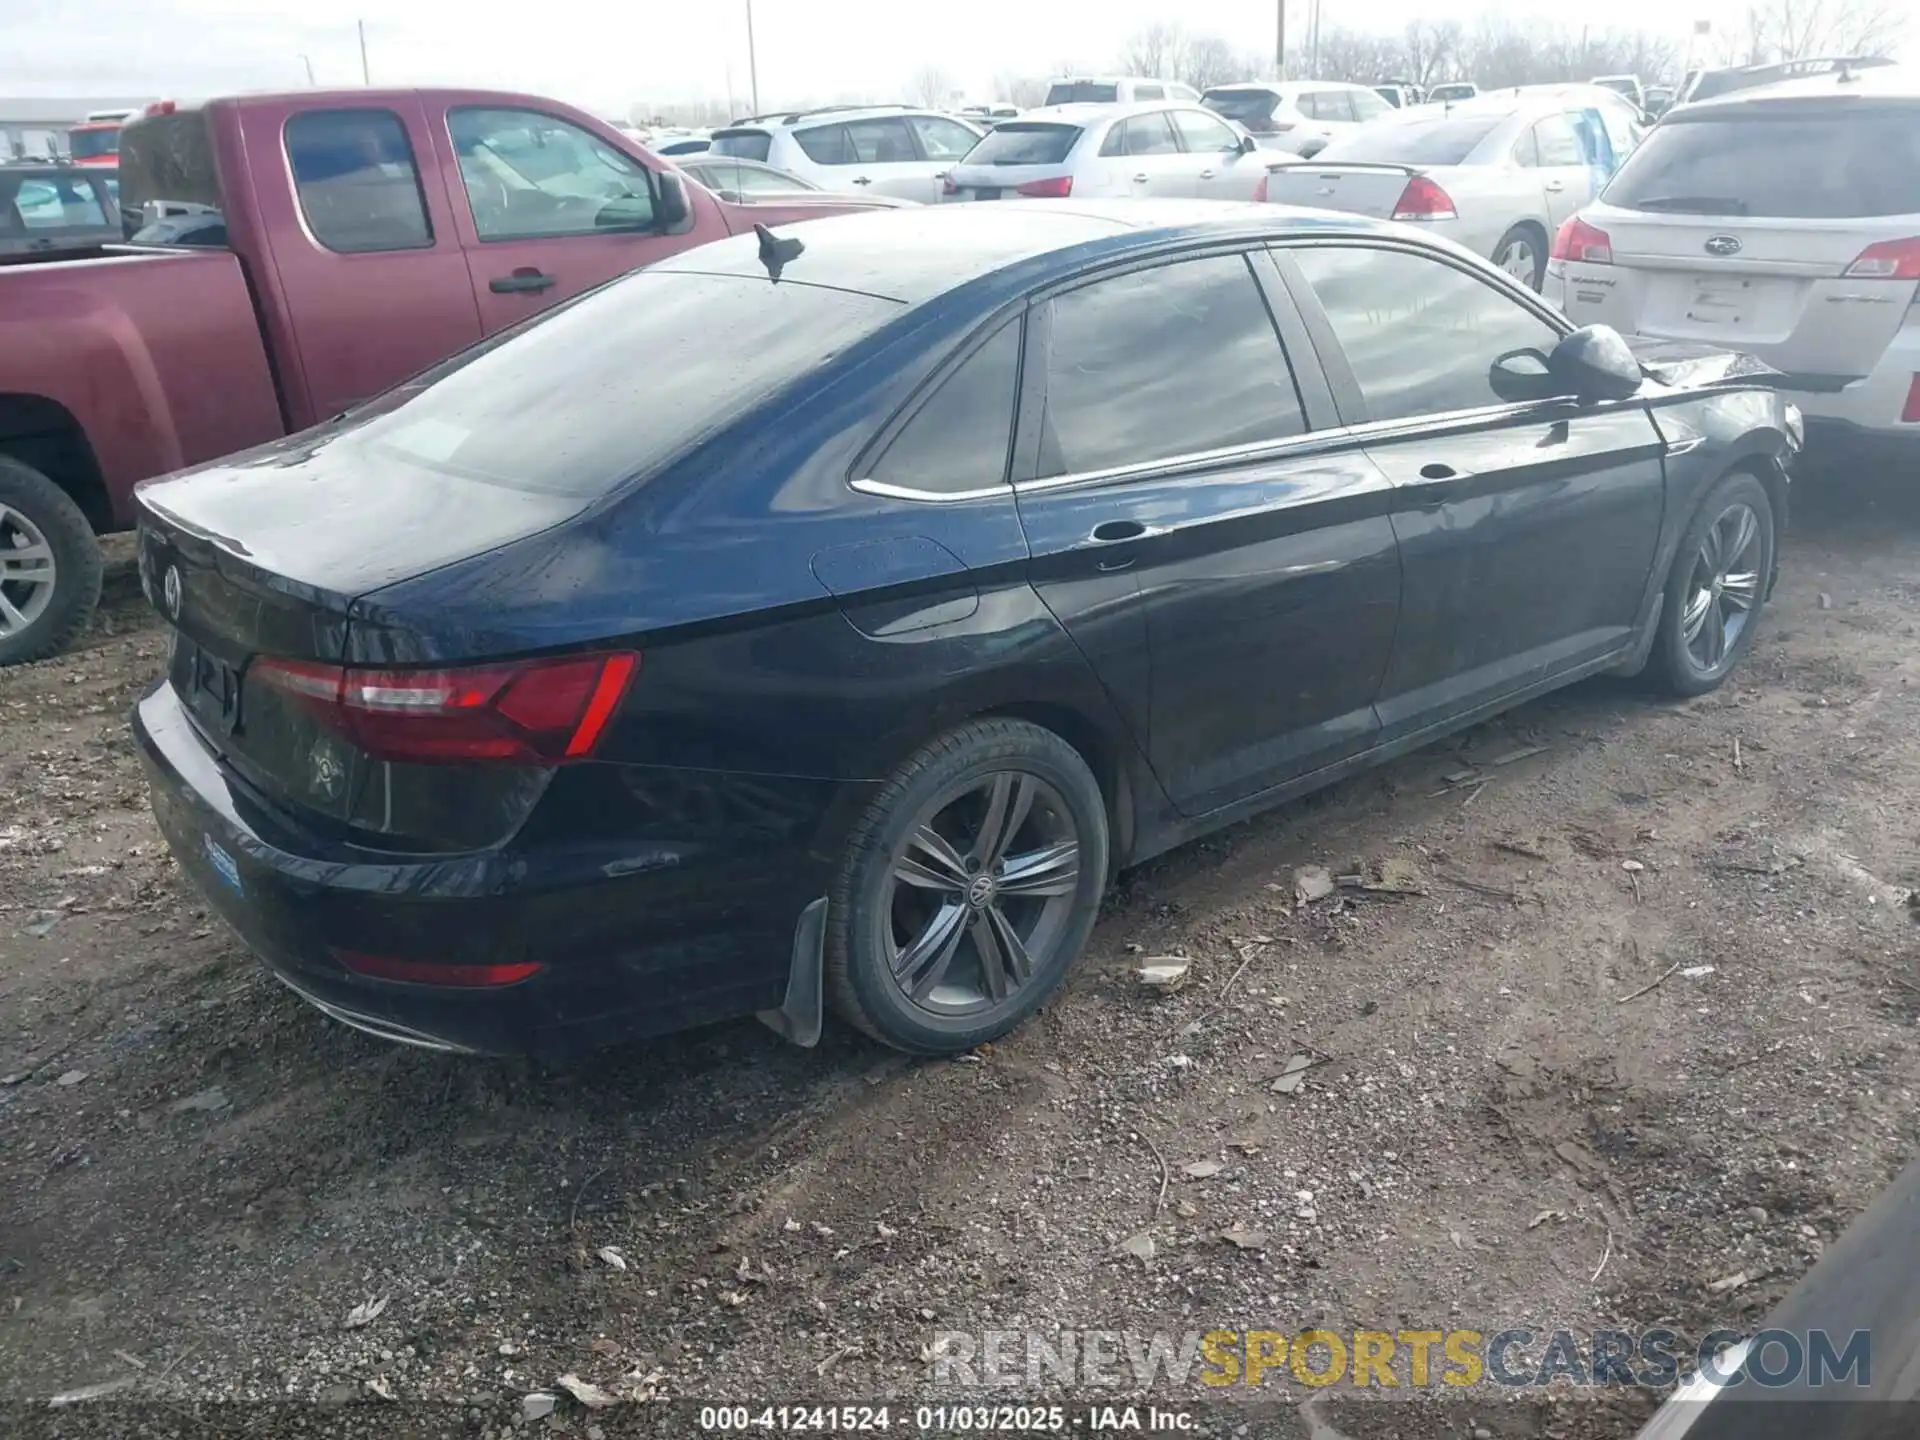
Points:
[(357, 182), (529, 175)]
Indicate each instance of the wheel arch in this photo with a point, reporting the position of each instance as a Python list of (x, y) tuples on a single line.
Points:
[(44, 434)]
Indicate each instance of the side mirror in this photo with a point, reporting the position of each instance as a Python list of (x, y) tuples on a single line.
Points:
[(672, 206), (1594, 363)]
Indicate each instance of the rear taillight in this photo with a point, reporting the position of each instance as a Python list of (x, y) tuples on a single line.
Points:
[(1910, 412), (429, 972), (526, 712), (1889, 260), (1578, 240), (1260, 186), (1057, 188), (1423, 200)]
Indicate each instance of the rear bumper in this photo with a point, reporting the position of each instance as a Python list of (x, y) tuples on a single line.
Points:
[(636, 935)]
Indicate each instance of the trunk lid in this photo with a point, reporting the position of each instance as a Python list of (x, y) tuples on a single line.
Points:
[(1358, 188)]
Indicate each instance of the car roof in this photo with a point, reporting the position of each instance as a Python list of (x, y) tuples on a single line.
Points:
[(1497, 104), (1295, 87), (919, 252), (1110, 80), (1084, 112), (1882, 82)]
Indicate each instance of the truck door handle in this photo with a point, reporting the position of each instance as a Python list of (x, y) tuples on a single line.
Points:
[(522, 281)]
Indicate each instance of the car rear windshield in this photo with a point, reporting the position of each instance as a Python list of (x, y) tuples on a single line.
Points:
[(1081, 93), (1249, 107), (93, 144), (610, 386), (1786, 161), (1024, 142), (1417, 142), (745, 144)]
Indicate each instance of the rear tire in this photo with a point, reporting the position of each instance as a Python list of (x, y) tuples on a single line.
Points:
[(1522, 253), (968, 888), (1716, 589), (49, 566)]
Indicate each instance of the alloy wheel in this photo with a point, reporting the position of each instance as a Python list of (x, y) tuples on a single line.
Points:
[(980, 894), (1518, 258), (1723, 588), (26, 572)]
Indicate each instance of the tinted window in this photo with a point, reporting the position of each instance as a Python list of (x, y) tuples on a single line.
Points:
[(747, 144), (1367, 105), (528, 174), (1326, 105), (1416, 142), (56, 202), (1556, 143), (1149, 92), (942, 139), (957, 440), (1083, 93), (825, 145), (1781, 161), (1022, 142), (880, 142), (1142, 135), (611, 385), (357, 182), (1169, 361), (1252, 108), (1420, 335), (1202, 132)]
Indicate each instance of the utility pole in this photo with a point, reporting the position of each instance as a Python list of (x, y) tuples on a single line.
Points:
[(364, 77), (1280, 41), (753, 63)]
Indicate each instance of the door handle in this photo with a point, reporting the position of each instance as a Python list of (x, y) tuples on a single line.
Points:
[(1556, 186), (861, 180), (1438, 470), (1206, 174), (523, 281), (1140, 179), (1112, 532)]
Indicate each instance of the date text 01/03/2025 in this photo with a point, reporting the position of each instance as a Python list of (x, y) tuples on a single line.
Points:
[(944, 1419)]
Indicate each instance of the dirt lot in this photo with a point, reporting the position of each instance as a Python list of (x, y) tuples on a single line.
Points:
[(200, 1178)]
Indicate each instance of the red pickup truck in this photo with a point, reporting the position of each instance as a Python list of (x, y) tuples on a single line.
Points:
[(296, 254)]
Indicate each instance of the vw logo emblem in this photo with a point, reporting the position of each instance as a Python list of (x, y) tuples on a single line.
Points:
[(980, 892), (1723, 245), (170, 591)]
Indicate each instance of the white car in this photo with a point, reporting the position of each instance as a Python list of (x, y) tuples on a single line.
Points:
[(1134, 150), (1301, 116), (1784, 222), (1497, 174), (1113, 90), (1453, 91), (894, 150)]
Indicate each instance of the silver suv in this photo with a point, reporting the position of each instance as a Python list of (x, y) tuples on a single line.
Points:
[(860, 149)]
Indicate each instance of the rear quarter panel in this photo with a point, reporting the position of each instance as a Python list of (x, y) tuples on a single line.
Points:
[(156, 355)]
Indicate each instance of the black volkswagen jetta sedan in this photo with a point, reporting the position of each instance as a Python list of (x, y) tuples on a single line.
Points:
[(824, 617)]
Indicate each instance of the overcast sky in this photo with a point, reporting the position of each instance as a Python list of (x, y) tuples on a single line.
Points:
[(607, 56)]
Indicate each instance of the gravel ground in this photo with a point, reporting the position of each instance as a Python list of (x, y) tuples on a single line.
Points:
[(1529, 1102)]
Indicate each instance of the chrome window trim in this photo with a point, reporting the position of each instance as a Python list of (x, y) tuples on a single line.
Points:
[(866, 485)]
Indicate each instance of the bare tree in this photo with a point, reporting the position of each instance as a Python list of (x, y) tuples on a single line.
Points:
[(1157, 52), (932, 87), (1796, 29), (1025, 91), (1209, 60), (1358, 55)]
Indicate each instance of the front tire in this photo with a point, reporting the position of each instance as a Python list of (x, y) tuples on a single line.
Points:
[(968, 889), (1522, 253), (49, 566), (1716, 589)]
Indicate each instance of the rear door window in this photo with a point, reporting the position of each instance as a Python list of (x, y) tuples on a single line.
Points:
[(942, 139), (1556, 142), (1202, 133), (880, 142), (959, 438), (744, 144), (1367, 105), (1252, 108), (825, 145), (358, 185), (1780, 161), (1326, 105), (1142, 135), (1173, 360)]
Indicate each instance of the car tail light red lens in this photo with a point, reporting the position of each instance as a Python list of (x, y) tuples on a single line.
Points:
[(1889, 260), (1910, 412), (524, 712), (1057, 188), (1578, 240), (429, 972), (1423, 200)]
